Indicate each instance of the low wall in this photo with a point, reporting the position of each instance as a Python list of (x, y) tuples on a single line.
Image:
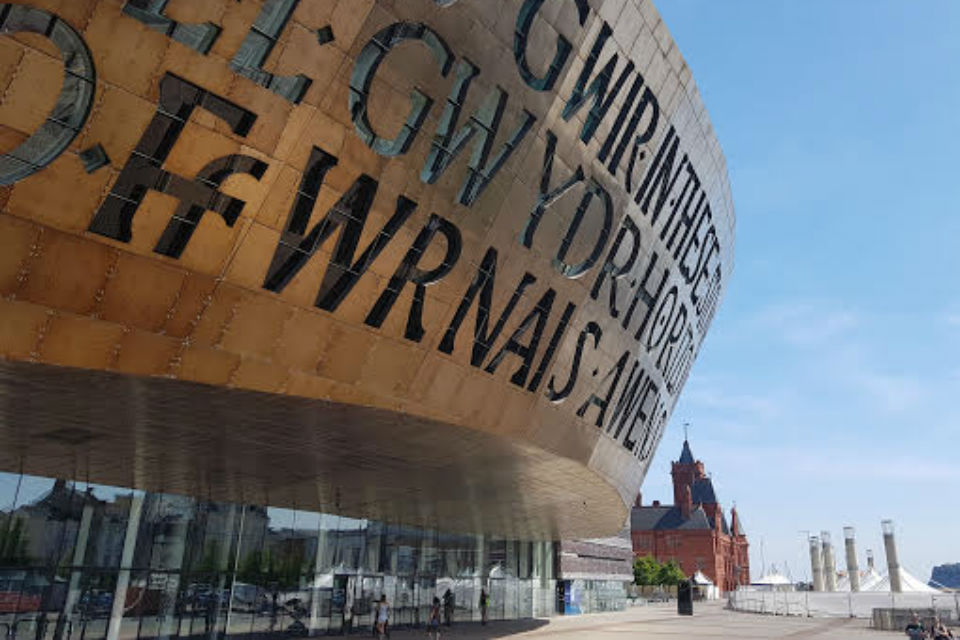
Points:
[(651, 591)]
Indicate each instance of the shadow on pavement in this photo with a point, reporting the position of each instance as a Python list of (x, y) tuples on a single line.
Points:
[(473, 630), (464, 630)]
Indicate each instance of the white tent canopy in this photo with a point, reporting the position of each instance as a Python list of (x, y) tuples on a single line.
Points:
[(872, 581), (908, 584), (869, 580), (705, 586), (701, 579), (773, 579)]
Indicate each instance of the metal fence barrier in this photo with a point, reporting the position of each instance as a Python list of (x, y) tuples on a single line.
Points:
[(817, 604)]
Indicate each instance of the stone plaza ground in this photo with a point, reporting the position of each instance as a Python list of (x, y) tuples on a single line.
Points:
[(661, 621)]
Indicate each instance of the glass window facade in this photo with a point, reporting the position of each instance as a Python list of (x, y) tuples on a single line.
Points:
[(91, 562)]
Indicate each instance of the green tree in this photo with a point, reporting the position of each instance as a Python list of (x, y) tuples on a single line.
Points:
[(289, 564), (670, 574), (646, 571), (13, 543), (209, 562), (251, 569), (281, 565)]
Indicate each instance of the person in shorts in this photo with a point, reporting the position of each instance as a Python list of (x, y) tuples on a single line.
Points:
[(383, 616), (433, 624)]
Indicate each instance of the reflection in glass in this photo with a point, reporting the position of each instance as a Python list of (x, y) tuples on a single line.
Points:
[(88, 562)]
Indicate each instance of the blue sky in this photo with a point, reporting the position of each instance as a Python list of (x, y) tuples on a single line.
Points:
[(825, 393)]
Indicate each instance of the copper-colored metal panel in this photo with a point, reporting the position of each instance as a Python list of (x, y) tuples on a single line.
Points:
[(422, 261)]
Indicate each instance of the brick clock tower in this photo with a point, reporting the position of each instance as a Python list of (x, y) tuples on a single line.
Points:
[(693, 531)]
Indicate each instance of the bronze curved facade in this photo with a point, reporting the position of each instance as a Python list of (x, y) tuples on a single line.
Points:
[(445, 264)]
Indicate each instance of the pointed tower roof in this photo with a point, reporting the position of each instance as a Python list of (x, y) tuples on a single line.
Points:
[(686, 457)]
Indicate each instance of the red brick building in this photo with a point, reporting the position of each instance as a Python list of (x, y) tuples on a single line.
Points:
[(693, 531)]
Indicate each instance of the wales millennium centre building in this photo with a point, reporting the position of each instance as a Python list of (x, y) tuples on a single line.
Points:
[(305, 302)]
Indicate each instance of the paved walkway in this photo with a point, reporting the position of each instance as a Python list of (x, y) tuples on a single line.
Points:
[(662, 622)]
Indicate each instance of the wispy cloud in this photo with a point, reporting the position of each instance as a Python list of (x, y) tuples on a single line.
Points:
[(833, 352), (807, 323), (952, 319), (716, 399), (878, 466), (893, 392)]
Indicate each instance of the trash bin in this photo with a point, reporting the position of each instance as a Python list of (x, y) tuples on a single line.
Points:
[(685, 598)]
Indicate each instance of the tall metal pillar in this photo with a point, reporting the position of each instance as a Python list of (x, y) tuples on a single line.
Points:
[(539, 579), (320, 564), (480, 571), (173, 545), (893, 563), (236, 568), (223, 566), (853, 570), (829, 563), (79, 553), (816, 568), (126, 562)]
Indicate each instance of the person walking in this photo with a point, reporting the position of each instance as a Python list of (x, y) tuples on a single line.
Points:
[(383, 616), (433, 624), (484, 603), (448, 606), (940, 630), (915, 629)]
